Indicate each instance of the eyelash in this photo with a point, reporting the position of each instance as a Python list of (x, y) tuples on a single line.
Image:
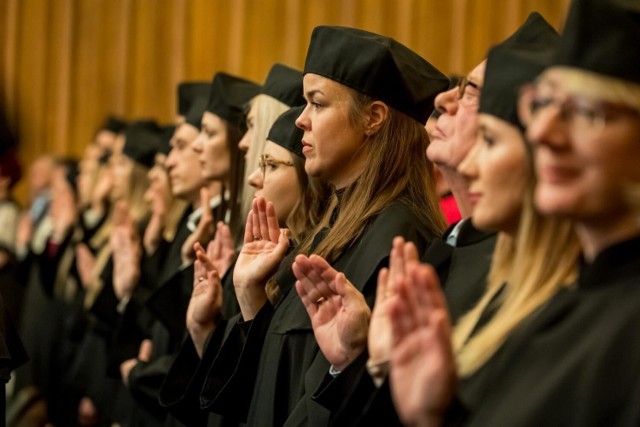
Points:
[(488, 141)]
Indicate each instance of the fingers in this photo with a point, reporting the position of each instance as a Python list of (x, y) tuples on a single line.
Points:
[(146, 348), (383, 285), (323, 268), (307, 301), (402, 321), (272, 222), (410, 253), (226, 240), (256, 221), (264, 222), (248, 229), (396, 259), (314, 286)]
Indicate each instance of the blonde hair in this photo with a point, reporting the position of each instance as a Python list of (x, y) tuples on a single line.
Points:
[(598, 86), (396, 169), (541, 259), (138, 209), (267, 110)]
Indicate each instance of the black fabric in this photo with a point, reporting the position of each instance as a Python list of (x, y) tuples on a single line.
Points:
[(377, 66), (194, 114), (573, 361), (513, 63), (143, 139), (286, 134), (114, 124), (462, 269), (188, 92), (290, 366), (284, 84), (230, 96), (601, 36)]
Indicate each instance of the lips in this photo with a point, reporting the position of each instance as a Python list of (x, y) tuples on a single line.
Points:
[(306, 146), (437, 133), (556, 174), (474, 198)]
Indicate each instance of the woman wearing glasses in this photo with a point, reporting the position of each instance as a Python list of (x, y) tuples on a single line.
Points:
[(363, 133), (574, 360)]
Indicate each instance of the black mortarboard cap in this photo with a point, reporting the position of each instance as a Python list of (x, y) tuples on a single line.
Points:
[(229, 97), (114, 124), (188, 92), (377, 66), (515, 62), (284, 84), (285, 133), (194, 115), (143, 139), (602, 36)]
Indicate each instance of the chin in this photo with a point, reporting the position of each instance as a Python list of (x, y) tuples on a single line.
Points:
[(550, 200)]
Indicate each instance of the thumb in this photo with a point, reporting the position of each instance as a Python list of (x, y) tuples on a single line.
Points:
[(283, 242)]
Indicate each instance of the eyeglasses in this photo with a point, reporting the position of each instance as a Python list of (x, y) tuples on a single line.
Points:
[(585, 117), (267, 163), (462, 89)]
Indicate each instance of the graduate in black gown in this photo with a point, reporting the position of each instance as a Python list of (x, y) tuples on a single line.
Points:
[(383, 189), (573, 361)]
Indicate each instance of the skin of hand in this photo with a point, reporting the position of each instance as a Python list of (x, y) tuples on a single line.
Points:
[(339, 312), (265, 246), (127, 252), (144, 355), (63, 209), (422, 370), (155, 227), (100, 195), (221, 250), (203, 231), (206, 300), (85, 263), (402, 256), (24, 231)]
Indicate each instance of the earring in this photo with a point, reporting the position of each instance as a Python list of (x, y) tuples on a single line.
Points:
[(368, 132)]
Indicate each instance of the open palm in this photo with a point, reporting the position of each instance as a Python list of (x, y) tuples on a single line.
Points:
[(265, 246), (422, 370), (338, 311)]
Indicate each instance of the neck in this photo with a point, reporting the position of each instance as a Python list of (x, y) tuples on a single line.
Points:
[(598, 234), (459, 188)]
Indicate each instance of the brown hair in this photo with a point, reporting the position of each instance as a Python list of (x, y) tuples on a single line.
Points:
[(396, 169)]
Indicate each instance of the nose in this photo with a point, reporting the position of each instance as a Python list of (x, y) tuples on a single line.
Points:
[(244, 143), (196, 145), (303, 121), (469, 165), (170, 163), (447, 102), (255, 179)]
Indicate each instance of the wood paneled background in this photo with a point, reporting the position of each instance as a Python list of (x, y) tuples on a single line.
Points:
[(65, 64)]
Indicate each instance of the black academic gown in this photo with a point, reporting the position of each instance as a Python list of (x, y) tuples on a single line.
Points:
[(572, 363), (352, 397), (275, 358)]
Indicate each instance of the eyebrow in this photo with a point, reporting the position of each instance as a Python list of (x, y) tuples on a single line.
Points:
[(311, 93)]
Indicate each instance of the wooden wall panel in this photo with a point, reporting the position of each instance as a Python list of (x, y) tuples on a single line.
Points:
[(66, 64)]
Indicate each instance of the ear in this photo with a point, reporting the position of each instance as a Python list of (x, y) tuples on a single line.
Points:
[(378, 113)]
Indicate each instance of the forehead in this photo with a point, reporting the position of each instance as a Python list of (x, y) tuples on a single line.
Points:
[(315, 83), (185, 131), (477, 74), (276, 151)]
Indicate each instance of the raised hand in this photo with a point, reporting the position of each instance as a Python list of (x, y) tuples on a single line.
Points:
[(102, 189), (422, 371), (127, 253), (265, 246), (153, 232), (85, 264), (203, 232), (338, 311), (221, 250), (63, 209), (403, 255), (206, 300), (24, 232)]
